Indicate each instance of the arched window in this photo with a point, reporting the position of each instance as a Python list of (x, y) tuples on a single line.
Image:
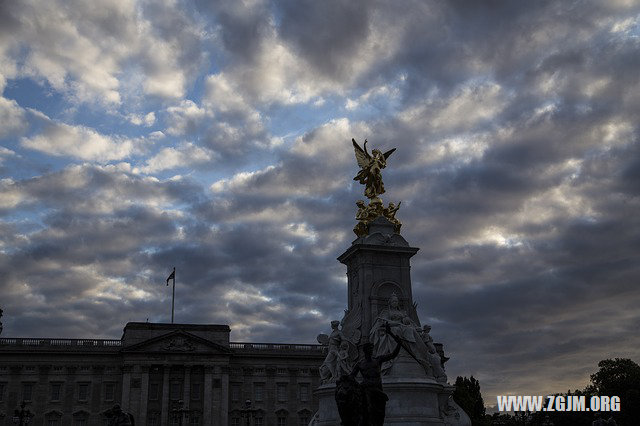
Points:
[(236, 418), (194, 418), (53, 418), (258, 419), (153, 418), (282, 416), (81, 418), (304, 416)]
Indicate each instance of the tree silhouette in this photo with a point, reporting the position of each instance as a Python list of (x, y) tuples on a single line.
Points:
[(469, 398), (619, 377)]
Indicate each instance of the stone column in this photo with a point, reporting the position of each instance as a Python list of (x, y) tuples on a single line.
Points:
[(164, 414), (186, 391), (224, 397), (144, 395), (126, 387), (207, 414)]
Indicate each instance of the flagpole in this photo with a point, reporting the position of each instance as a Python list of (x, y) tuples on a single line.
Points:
[(173, 297)]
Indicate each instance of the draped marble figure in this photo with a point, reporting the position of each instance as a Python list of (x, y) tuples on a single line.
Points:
[(341, 349), (403, 327), (434, 357)]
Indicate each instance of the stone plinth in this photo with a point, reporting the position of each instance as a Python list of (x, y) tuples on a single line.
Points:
[(378, 265), (412, 402), (414, 399)]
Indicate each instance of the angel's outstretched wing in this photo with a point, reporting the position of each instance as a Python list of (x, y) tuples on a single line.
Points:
[(323, 339), (351, 325), (388, 153), (362, 156)]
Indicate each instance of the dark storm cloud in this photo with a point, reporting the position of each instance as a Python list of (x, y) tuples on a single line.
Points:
[(327, 34), (243, 25)]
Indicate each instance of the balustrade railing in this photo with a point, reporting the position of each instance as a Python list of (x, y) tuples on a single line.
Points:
[(278, 347), (275, 347), (30, 341)]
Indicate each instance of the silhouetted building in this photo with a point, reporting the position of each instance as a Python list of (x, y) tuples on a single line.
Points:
[(159, 372)]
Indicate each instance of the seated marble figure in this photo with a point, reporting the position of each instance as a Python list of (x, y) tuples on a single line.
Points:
[(403, 327)]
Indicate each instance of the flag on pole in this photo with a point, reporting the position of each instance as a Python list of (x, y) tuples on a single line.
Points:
[(172, 276)]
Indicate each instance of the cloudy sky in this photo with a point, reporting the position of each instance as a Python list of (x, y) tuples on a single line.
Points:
[(215, 137)]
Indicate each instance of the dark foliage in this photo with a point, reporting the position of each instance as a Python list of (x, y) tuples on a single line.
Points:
[(468, 396), (620, 377)]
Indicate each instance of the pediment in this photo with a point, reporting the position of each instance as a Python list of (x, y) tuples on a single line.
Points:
[(176, 342)]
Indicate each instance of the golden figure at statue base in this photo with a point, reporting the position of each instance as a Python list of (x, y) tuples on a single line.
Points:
[(367, 214)]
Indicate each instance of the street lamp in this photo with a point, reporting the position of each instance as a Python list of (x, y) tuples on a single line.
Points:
[(247, 412), (179, 412), (22, 417)]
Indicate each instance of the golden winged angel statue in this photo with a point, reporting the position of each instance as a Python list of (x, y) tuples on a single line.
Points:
[(370, 169)]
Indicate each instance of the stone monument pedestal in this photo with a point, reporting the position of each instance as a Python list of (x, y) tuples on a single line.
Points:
[(412, 402), (414, 399)]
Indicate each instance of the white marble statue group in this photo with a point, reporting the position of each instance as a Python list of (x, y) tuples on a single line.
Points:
[(342, 354)]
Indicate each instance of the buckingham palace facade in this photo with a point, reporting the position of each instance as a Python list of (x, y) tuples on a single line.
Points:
[(163, 374)]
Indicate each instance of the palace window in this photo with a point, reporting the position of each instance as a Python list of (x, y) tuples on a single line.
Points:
[(109, 391), (153, 419), (27, 391), (52, 418), (80, 418), (282, 392), (55, 391), (153, 391), (258, 392), (195, 391), (235, 392), (175, 391), (304, 392), (83, 391)]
